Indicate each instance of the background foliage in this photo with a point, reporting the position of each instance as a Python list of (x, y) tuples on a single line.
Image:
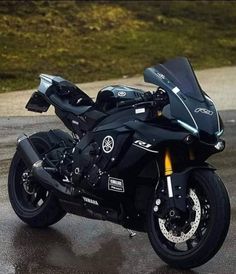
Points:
[(87, 41)]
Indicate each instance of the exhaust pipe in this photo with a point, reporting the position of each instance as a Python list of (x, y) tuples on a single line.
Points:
[(27, 151), (34, 162)]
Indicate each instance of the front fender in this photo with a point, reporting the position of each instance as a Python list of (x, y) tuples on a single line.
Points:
[(179, 186)]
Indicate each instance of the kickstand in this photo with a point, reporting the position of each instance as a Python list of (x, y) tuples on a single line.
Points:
[(131, 233)]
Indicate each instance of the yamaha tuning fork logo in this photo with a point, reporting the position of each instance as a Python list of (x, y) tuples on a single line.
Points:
[(121, 93), (107, 144)]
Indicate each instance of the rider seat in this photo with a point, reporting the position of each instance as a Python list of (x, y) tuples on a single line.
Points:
[(68, 97)]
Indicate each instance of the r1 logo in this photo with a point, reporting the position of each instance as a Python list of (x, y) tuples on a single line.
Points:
[(204, 111), (142, 144)]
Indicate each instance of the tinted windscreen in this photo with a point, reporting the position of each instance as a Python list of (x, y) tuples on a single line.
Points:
[(181, 74)]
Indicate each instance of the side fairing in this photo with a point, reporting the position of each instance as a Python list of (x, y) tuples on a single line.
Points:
[(154, 135)]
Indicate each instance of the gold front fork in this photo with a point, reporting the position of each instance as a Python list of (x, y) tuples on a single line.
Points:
[(169, 169), (168, 164), (168, 172)]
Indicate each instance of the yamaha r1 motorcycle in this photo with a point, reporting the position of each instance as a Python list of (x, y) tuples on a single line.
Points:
[(134, 158)]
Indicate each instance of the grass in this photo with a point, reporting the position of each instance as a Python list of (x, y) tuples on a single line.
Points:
[(88, 41)]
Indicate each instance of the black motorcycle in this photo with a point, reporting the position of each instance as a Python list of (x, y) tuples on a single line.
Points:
[(134, 158)]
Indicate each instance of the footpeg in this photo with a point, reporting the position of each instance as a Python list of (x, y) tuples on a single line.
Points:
[(131, 233)]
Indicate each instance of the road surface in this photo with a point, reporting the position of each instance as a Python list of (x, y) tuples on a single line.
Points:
[(78, 245)]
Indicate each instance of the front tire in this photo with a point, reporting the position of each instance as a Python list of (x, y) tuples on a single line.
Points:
[(32, 203), (207, 192)]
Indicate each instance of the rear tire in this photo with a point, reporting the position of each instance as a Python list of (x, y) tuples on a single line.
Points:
[(210, 186), (42, 208)]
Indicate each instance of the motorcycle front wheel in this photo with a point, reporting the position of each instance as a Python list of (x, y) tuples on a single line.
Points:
[(193, 239)]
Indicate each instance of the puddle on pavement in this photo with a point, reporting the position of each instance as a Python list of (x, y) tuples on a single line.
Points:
[(4, 166), (42, 251)]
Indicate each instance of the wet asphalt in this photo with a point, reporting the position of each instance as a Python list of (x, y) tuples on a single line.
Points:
[(78, 245)]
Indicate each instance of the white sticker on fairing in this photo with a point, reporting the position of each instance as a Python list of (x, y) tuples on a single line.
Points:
[(160, 75), (175, 90), (139, 110), (116, 184), (75, 122)]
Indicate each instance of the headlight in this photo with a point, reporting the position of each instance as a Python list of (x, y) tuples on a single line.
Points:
[(220, 145)]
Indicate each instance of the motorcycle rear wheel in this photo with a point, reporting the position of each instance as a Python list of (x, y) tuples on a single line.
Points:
[(32, 203), (210, 215)]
